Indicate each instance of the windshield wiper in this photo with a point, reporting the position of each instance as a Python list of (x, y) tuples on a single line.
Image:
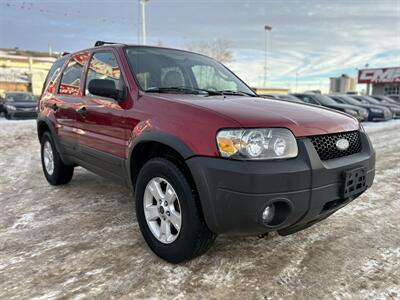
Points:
[(236, 93), (182, 89)]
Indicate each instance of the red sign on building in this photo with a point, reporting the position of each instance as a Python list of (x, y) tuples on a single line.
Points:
[(383, 75)]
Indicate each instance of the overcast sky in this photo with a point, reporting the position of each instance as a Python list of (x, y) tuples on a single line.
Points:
[(316, 39)]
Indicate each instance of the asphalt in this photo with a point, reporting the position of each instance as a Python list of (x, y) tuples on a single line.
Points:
[(82, 240)]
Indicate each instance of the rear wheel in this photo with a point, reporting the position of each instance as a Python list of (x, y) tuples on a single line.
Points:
[(169, 214), (55, 171)]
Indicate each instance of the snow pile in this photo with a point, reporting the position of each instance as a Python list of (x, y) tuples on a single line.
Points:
[(380, 126)]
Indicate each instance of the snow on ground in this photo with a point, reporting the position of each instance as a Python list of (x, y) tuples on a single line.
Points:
[(82, 240), (371, 127)]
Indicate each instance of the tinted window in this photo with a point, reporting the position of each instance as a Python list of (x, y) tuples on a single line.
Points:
[(54, 71), (324, 99), (71, 78), (337, 99), (289, 98), (104, 65), (350, 100), (307, 99)]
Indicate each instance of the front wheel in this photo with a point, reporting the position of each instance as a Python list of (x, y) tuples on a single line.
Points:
[(169, 215), (55, 171)]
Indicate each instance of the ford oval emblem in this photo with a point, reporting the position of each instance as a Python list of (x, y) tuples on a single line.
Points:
[(342, 144)]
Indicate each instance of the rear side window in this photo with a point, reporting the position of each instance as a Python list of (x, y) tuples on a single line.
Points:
[(104, 65), (54, 71), (71, 78)]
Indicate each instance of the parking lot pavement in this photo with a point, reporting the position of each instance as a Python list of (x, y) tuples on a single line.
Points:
[(82, 240)]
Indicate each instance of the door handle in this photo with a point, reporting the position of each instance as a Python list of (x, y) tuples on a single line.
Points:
[(54, 107), (83, 111)]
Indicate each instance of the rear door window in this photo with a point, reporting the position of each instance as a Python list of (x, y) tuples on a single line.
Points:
[(54, 71), (71, 77)]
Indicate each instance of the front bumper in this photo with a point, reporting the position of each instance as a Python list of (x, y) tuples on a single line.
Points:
[(234, 194), (23, 114)]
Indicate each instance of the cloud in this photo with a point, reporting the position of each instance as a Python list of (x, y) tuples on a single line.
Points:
[(314, 38)]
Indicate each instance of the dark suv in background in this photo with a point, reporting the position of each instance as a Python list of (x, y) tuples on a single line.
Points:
[(19, 105)]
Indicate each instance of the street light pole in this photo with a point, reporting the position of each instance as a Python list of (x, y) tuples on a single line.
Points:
[(368, 85), (143, 20), (267, 30)]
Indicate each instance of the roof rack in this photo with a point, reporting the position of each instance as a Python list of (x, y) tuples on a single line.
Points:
[(101, 43), (63, 54)]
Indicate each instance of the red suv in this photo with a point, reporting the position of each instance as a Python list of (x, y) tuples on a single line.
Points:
[(202, 152)]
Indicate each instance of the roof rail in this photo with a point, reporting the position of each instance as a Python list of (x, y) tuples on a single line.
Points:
[(101, 43)]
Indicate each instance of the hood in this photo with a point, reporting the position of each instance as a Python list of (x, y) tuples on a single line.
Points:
[(252, 112)]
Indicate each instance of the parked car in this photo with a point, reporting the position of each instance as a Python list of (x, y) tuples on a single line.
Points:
[(386, 99), (19, 105), (367, 99), (203, 153), (318, 99), (375, 112)]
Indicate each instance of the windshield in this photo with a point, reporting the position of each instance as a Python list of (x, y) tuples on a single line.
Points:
[(350, 100), (388, 99), (290, 98), (20, 97), (159, 70), (371, 100), (325, 100)]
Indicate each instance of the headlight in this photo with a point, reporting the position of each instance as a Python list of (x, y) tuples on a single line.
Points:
[(365, 113), (11, 107), (260, 143), (351, 112), (376, 110)]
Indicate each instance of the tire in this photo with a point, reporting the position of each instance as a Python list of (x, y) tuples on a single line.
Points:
[(194, 237), (61, 173), (7, 116)]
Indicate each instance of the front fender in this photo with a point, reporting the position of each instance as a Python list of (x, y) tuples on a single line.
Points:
[(161, 137)]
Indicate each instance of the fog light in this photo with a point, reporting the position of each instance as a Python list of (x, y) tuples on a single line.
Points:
[(268, 213)]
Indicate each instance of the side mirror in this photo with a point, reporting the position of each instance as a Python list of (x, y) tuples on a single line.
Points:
[(105, 88)]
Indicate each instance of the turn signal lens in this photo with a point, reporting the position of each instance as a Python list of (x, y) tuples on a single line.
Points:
[(226, 145)]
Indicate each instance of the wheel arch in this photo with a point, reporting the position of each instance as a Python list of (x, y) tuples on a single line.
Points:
[(157, 144), (45, 125)]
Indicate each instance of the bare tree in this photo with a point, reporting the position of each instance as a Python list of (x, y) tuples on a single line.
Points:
[(217, 49)]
